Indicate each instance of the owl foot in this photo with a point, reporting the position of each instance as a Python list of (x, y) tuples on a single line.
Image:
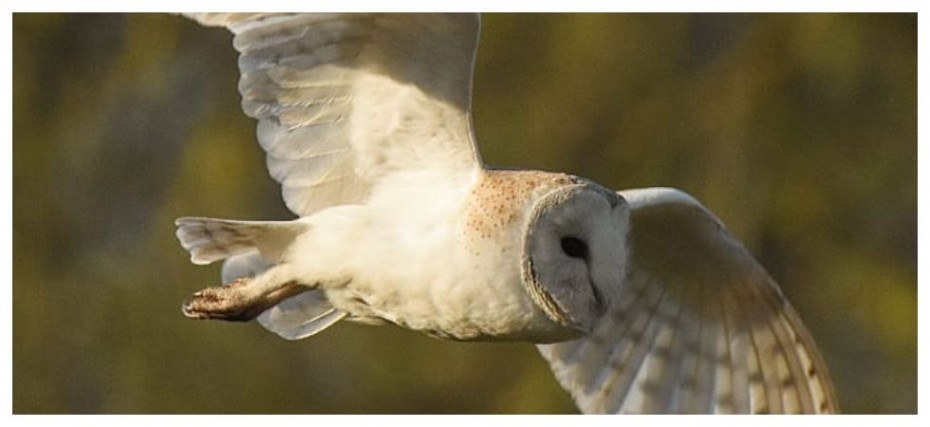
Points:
[(236, 301)]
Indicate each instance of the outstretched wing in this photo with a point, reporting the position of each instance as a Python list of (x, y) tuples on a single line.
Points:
[(345, 99), (701, 328)]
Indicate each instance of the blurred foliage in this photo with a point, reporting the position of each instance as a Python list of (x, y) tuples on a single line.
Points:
[(799, 131)]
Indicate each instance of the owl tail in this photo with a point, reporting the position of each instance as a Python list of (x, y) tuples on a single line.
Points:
[(212, 239)]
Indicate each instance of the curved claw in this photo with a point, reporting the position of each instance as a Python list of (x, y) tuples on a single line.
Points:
[(224, 303)]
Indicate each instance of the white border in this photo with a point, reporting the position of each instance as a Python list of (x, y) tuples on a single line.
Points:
[(487, 6)]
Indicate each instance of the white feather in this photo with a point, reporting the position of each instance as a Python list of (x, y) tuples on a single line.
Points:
[(346, 99), (703, 329)]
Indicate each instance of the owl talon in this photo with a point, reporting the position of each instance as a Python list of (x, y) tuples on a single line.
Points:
[(225, 303), (234, 302)]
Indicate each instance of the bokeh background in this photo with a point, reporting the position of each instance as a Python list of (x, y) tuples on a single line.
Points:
[(799, 131)]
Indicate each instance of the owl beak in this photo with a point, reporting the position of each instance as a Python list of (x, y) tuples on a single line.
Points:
[(599, 305)]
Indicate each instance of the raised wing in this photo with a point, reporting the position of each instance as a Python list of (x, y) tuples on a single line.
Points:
[(345, 99), (702, 327)]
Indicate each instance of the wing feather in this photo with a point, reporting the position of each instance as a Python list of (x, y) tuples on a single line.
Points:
[(670, 376), (346, 99), (699, 360), (702, 327)]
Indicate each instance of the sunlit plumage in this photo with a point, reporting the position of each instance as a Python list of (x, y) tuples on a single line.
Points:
[(640, 300)]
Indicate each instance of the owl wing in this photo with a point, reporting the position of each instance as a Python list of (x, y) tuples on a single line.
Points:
[(700, 327), (344, 99)]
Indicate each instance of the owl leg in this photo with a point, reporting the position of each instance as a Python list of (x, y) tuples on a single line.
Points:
[(243, 299)]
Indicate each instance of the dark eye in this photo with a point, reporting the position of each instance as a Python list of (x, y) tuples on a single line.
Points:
[(575, 247)]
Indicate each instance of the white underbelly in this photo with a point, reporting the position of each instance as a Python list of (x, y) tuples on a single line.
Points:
[(416, 265)]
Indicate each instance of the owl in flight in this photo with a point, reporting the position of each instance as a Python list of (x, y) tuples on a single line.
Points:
[(640, 300)]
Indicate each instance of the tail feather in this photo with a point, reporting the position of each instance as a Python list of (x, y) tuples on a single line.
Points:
[(301, 316), (248, 264), (212, 239)]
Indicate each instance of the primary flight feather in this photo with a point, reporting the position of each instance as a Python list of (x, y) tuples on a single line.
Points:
[(640, 300)]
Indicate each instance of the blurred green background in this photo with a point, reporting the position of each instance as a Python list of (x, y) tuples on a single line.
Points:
[(799, 131)]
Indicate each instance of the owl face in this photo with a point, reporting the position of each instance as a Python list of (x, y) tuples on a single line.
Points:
[(574, 253)]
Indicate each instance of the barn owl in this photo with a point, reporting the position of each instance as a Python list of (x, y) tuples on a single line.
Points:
[(640, 300)]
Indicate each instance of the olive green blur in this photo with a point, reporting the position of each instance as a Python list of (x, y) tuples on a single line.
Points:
[(798, 131)]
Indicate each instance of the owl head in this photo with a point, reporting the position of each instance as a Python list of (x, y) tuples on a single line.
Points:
[(575, 251)]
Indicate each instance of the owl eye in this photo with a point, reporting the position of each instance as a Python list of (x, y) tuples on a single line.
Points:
[(575, 247)]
